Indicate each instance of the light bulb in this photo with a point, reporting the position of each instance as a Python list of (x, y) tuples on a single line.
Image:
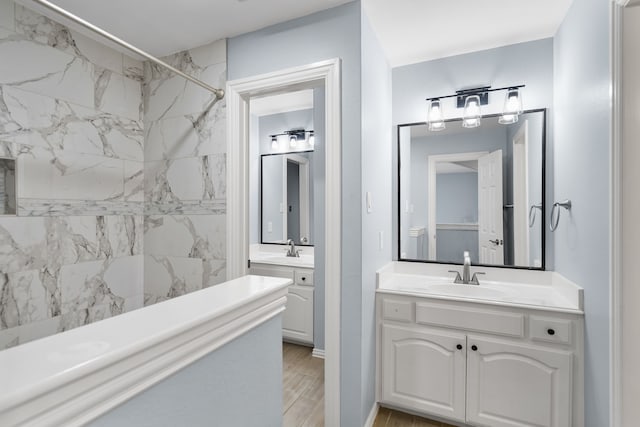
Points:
[(274, 142), (293, 141), (512, 107), (434, 115), (312, 140), (471, 115)]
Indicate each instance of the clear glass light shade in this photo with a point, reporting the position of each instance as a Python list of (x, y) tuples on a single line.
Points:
[(312, 140), (293, 141), (274, 142), (435, 118), (472, 114), (512, 107)]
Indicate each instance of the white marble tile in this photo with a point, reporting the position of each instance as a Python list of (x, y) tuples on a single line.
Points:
[(62, 207), (210, 54), (132, 68), (36, 330), (116, 94), (195, 236), (214, 272), (23, 299), (7, 21), (9, 338), (215, 168), (42, 29), (124, 276), (44, 70), (172, 276), (187, 136), (84, 285), (58, 174), (134, 181), (173, 96), (133, 303), (120, 236), (38, 120), (187, 207)]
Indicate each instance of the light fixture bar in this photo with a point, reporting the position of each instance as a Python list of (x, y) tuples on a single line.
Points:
[(89, 26), (475, 91)]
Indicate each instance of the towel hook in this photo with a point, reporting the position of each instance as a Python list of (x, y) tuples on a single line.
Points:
[(555, 212), (532, 213)]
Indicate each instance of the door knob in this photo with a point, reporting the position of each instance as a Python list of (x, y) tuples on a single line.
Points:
[(459, 346), (497, 242), (474, 347)]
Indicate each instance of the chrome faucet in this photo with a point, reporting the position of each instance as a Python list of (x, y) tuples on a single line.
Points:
[(292, 252), (466, 272)]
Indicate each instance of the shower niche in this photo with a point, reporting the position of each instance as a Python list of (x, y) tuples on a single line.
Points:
[(7, 186)]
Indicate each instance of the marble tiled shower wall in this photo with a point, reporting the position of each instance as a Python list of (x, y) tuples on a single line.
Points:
[(71, 113), (184, 175)]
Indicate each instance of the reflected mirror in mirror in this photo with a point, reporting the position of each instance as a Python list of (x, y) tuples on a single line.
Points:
[(479, 190), (7, 186), (287, 198)]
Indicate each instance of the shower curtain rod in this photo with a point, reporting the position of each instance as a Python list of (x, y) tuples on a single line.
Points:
[(218, 92)]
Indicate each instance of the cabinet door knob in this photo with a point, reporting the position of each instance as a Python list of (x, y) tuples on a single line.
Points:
[(459, 346), (474, 347), (551, 331)]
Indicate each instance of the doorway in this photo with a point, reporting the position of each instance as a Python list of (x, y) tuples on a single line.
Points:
[(239, 93)]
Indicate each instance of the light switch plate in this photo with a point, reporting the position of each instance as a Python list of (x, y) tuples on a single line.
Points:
[(369, 202)]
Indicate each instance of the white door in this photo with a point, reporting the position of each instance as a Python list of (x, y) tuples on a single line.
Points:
[(521, 196), (512, 385), (424, 371), (490, 231)]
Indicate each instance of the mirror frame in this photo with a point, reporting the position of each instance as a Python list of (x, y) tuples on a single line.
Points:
[(544, 194), (262, 156)]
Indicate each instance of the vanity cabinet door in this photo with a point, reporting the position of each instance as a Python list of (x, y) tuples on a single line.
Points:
[(517, 385), (297, 320), (424, 371)]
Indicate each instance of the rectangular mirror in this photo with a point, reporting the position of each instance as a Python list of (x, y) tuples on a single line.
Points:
[(7, 186), (287, 197), (473, 189)]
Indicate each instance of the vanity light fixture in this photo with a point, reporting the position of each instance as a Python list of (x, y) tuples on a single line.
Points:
[(512, 107), (295, 137), (472, 114), (434, 115), (472, 100)]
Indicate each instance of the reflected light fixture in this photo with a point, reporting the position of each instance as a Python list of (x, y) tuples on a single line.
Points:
[(312, 139), (293, 141), (434, 116), (512, 107), (471, 114), (274, 142)]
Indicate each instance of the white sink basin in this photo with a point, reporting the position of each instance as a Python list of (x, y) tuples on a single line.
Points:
[(459, 290), (302, 260)]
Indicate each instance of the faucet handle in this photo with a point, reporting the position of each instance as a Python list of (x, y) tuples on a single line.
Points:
[(458, 278), (474, 278)]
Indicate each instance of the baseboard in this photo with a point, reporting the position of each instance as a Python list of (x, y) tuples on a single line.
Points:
[(372, 415), (318, 353)]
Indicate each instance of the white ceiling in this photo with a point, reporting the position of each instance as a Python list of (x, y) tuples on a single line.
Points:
[(290, 101), (412, 31), (409, 31)]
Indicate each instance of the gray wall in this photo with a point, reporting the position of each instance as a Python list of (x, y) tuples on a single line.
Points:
[(318, 218), (238, 385), (334, 33), (582, 126), (376, 178), (528, 63), (272, 198), (457, 197)]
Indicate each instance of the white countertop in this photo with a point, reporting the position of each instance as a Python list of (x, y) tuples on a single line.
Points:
[(541, 290), (135, 340), (276, 255)]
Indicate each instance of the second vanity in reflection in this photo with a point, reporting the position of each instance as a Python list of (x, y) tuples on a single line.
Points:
[(271, 260), (507, 352)]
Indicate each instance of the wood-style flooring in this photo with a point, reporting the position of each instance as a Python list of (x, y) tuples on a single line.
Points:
[(390, 418), (303, 394), (303, 387)]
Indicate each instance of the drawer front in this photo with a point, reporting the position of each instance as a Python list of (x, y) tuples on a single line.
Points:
[(304, 278), (271, 271), (548, 329), (491, 322), (401, 311)]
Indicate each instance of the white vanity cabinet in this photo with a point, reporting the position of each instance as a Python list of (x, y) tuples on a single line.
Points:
[(478, 363), (297, 320)]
